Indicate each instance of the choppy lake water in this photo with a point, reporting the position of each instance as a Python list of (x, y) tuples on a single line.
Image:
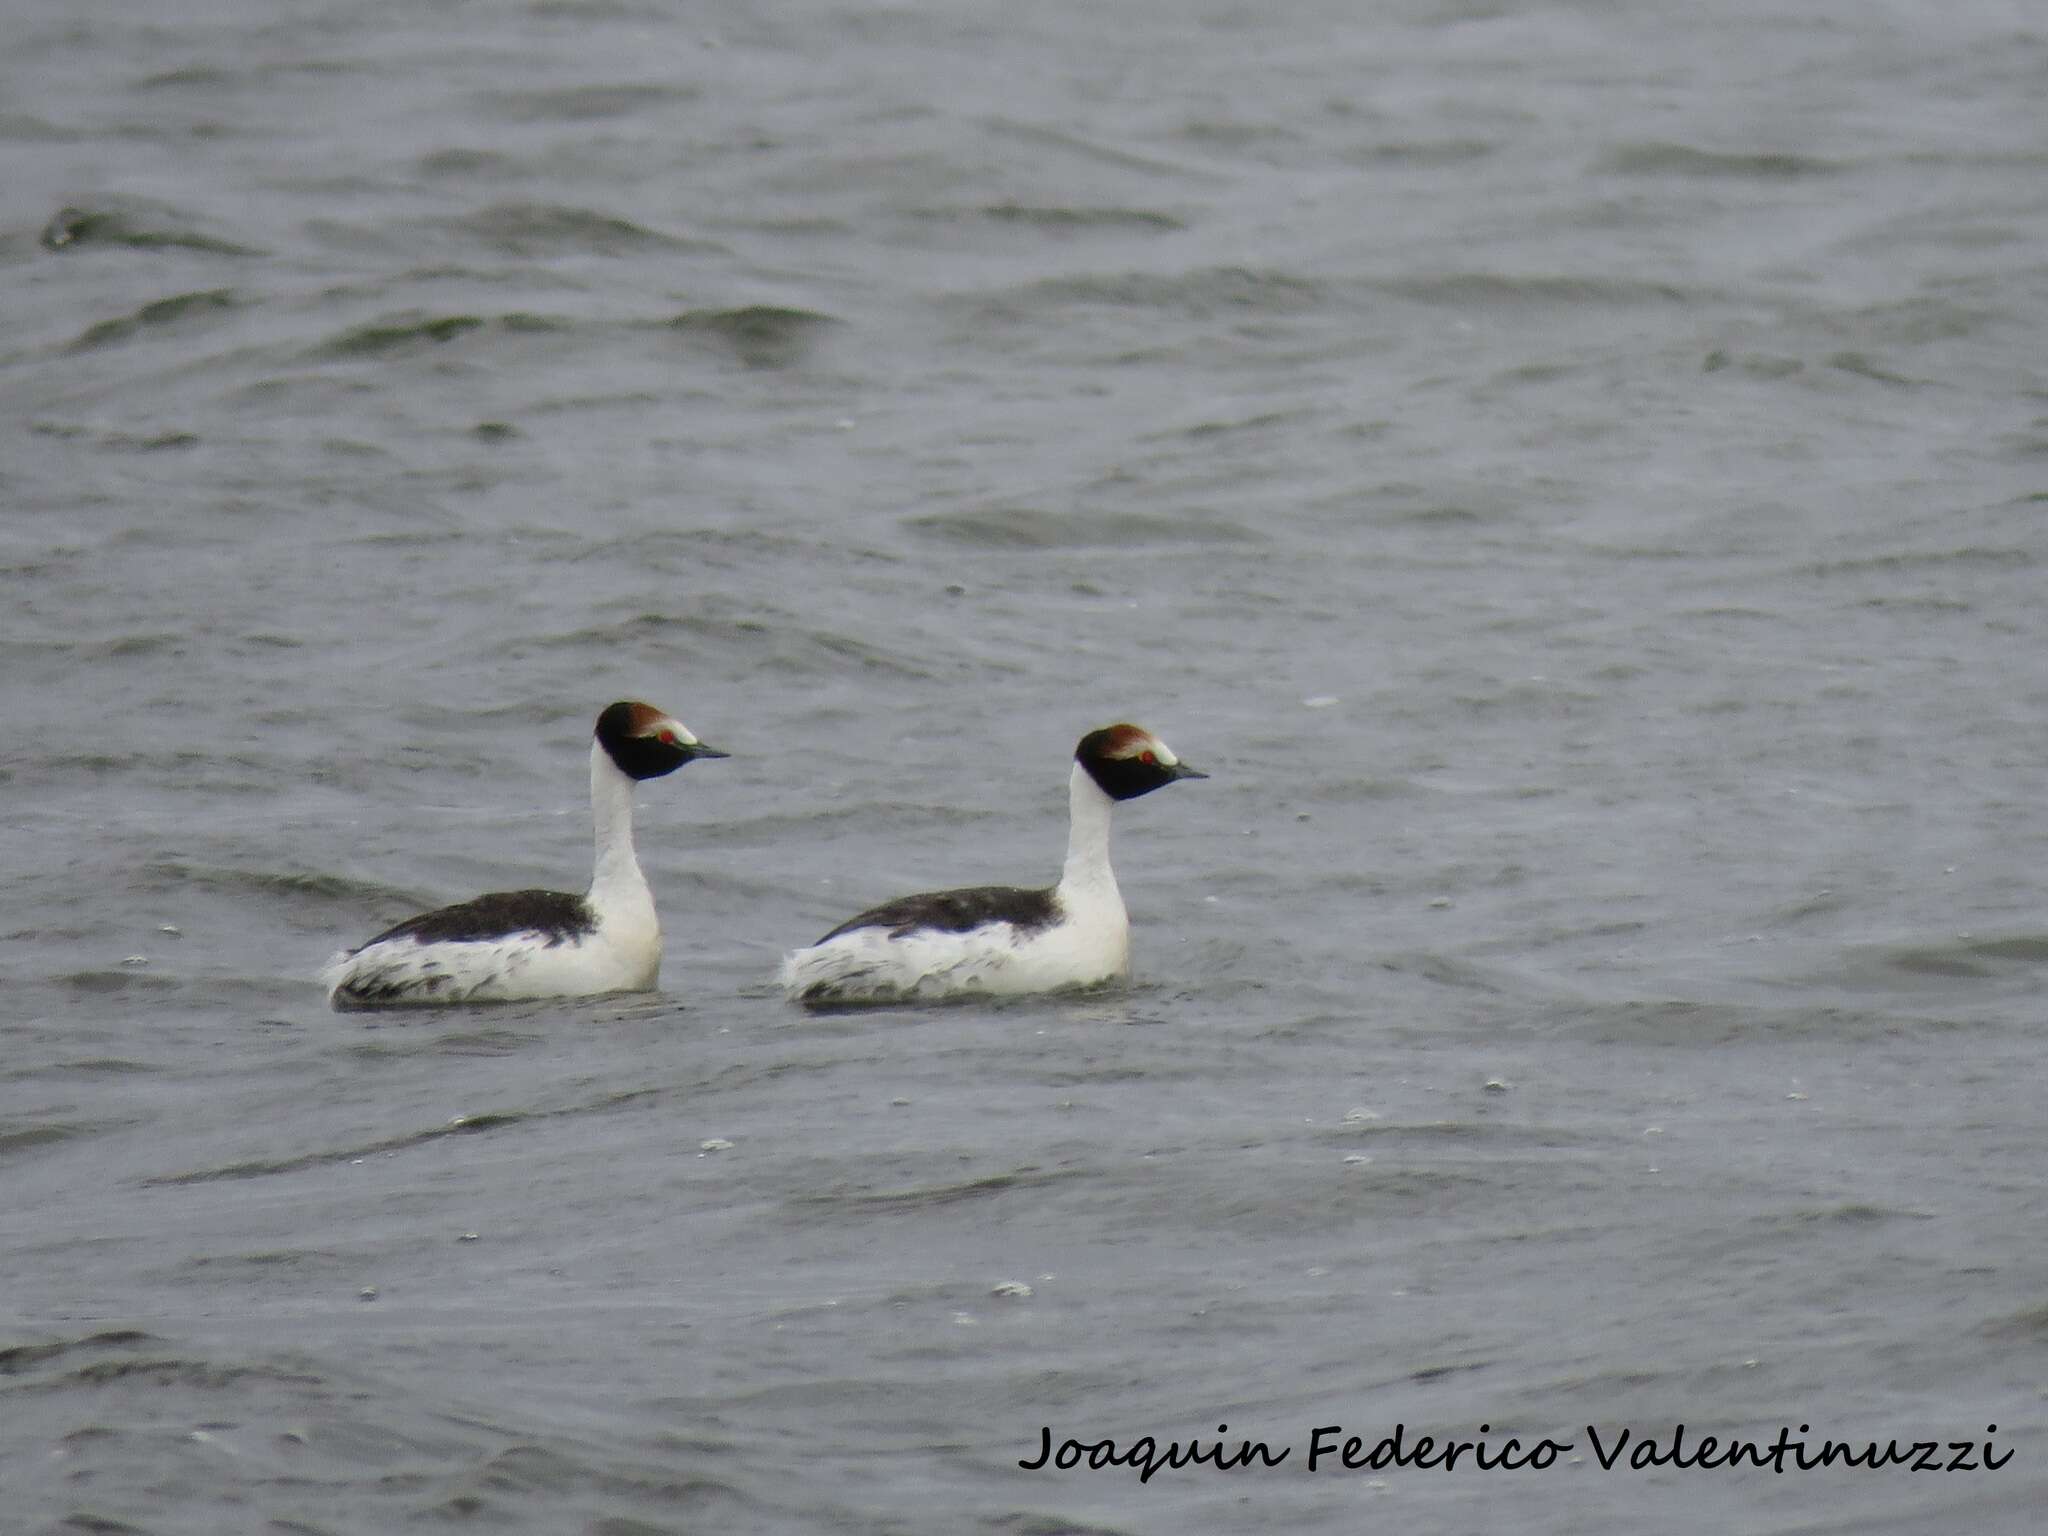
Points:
[(1575, 477)]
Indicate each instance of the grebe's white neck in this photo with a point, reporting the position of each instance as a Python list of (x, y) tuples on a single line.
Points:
[(617, 874), (1088, 808)]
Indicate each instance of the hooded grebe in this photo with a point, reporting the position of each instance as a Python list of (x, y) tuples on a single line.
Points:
[(527, 944), (996, 940)]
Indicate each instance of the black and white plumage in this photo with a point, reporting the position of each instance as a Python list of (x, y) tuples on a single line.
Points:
[(527, 944), (995, 940)]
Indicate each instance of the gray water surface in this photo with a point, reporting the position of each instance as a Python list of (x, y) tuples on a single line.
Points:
[(1574, 475)]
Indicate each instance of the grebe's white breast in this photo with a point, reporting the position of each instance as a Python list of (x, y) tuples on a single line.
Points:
[(993, 941), (531, 944)]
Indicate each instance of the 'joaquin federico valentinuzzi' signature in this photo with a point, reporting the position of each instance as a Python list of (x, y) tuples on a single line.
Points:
[(1329, 1445)]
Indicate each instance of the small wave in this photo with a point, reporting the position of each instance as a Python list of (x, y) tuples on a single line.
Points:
[(1713, 1026), (1967, 958), (476, 1042), (159, 875), (468, 164), (256, 1168), (133, 979), (2022, 951), (1500, 290), (1203, 430), (20, 128), (656, 627), (1774, 1230), (1430, 1373), (1757, 365), (770, 646), (28, 1137), (117, 442), (296, 1260), (205, 1374), (108, 648), (529, 229), (21, 1357), (533, 1469), (830, 819), (156, 316), (2031, 1325), (1064, 219), (1824, 903), (681, 550), (210, 79), (1864, 367), (1026, 1522), (522, 1470), (584, 103), (92, 1066), (150, 442), (1854, 1213), (932, 1196), (1489, 1133), (1917, 322), (1237, 134), (1035, 528), (1665, 159), (472, 1042), (1363, 789), (1968, 556), (401, 334), (1088, 149), (1429, 153), (759, 335), (201, 77), (138, 228), (1528, 700), (1203, 292)]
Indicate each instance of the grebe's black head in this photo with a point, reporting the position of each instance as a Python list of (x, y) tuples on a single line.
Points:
[(645, 742), (1127, 761)]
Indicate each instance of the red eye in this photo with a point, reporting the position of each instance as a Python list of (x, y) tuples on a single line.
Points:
[(1148, 759), (667, 739)]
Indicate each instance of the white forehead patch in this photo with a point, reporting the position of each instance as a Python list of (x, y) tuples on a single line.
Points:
[(667, 725), (1130, 742)]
